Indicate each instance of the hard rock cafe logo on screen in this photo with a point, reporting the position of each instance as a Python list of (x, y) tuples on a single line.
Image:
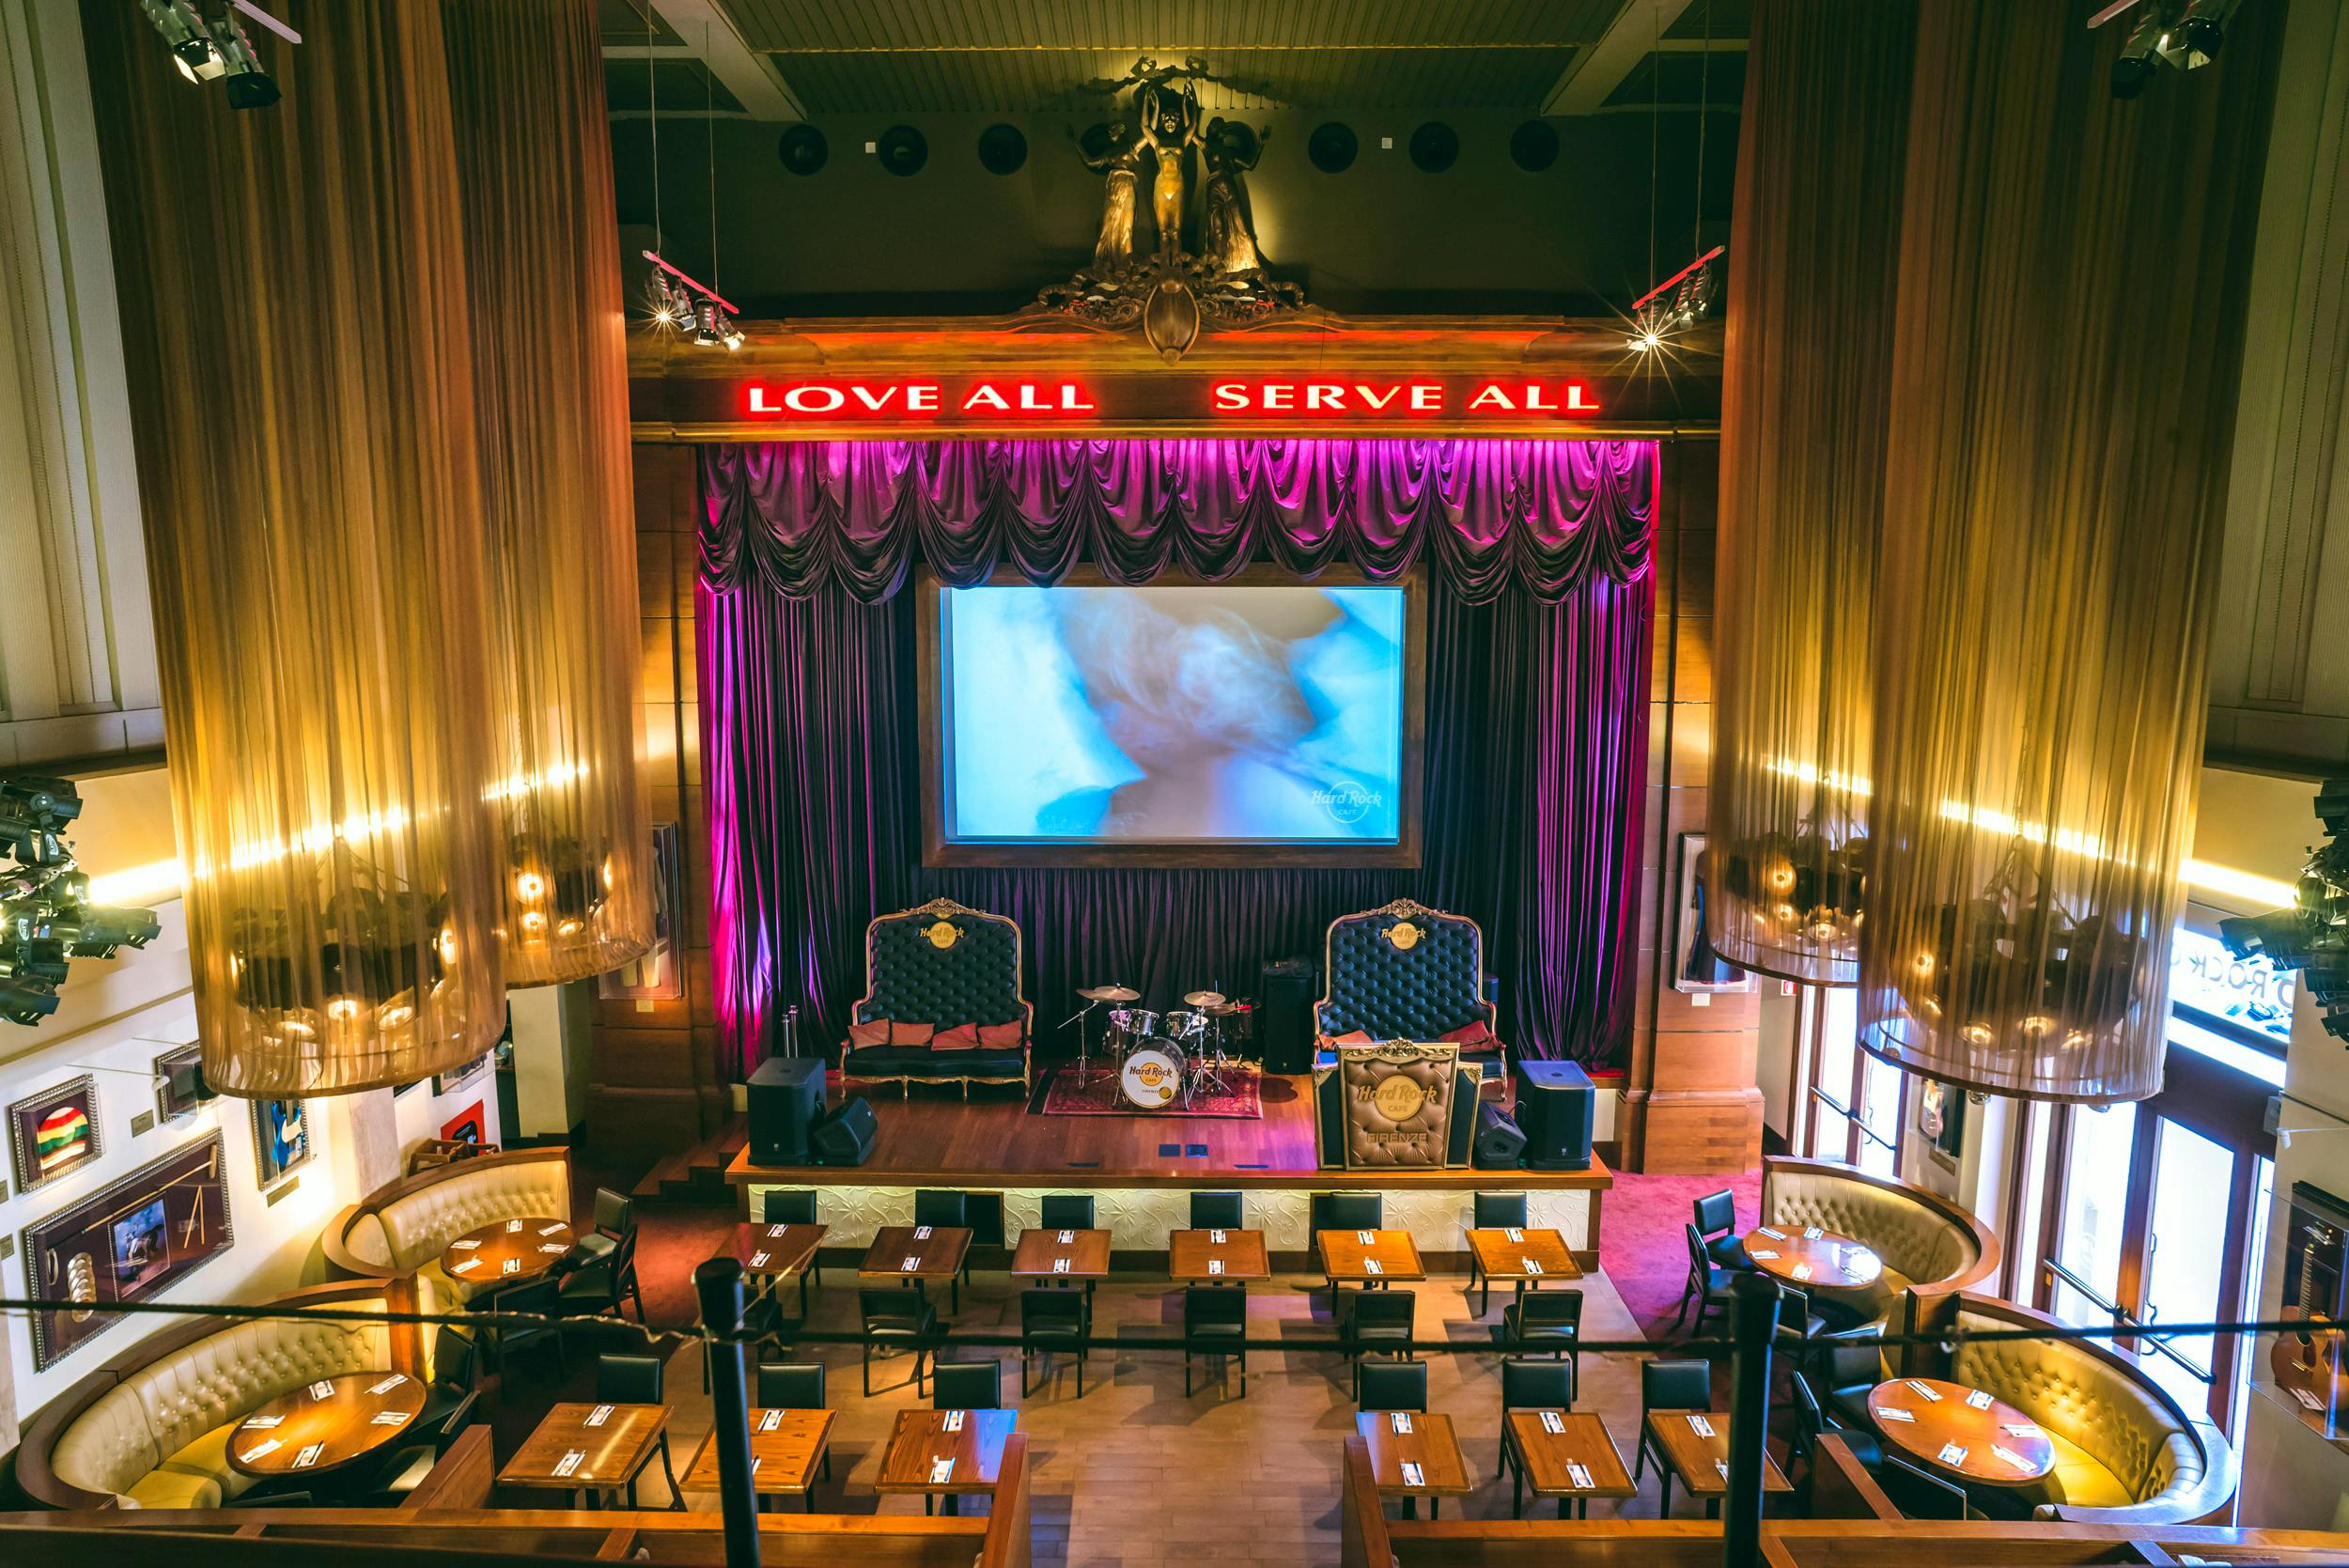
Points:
[(983, 400)]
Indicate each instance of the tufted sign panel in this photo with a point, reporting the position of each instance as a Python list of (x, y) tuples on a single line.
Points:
[(176, 1411), (914, 979), (418, 1225), (1913, 1240), (2091, 1406), (1422, 992)]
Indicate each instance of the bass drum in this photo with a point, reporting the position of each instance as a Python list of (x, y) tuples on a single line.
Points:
[(1152, 1076)]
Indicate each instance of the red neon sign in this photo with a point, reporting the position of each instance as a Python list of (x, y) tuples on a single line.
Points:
[(1367, 401), (1003, 396)]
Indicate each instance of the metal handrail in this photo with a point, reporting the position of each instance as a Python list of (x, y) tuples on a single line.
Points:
[(2126, 1319), (1854, 1117)]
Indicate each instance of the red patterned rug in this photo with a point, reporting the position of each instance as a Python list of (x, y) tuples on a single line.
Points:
[(1095, 1093)]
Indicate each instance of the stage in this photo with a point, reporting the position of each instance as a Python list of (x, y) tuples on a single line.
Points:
[(1142, 1168)]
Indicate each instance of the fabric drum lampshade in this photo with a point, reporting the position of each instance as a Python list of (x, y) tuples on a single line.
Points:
[(2063, 383), (550, 395), (1807, 376), (301, 399)]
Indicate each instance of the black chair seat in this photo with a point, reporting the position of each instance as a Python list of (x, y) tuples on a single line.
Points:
[(595, 1245), (1728, 1251), (921, 1061)]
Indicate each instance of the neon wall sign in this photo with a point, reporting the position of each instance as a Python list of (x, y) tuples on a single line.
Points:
[(1119, 400)]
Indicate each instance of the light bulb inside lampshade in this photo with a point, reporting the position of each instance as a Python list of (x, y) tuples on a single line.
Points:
[(342, 1009), (529, 886)]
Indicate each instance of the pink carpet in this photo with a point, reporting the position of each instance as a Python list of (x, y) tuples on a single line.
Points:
[(1643, 1245), (1097, 1094)]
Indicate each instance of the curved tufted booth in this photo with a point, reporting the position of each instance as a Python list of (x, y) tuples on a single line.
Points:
[(2125, 1452), (402, 1228), (1404, 972), (149, 1429), (1926, 1241), (945, 966)]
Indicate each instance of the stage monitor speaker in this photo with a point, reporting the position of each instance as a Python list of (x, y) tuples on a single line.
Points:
[(1284, 1015), (786, 1100), (1555, 1109), (845, 1136), (1498, 1143), (1459, 1132)]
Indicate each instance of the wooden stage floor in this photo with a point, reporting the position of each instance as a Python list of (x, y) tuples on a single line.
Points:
[(935, 1137)]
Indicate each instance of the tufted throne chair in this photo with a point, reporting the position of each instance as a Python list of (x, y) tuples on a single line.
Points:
[(1407, 972), (942, 1002)]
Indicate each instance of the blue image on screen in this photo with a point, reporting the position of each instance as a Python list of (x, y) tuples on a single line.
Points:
[(1268, 714)]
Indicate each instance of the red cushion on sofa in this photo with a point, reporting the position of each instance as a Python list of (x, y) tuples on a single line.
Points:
[(1003, 1037), (1353, 1037), (1473, 1034), (963, 1036), (874, 1034), (901, 1033)]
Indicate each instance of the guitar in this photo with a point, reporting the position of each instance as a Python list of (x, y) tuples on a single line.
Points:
[(2313, 1365)]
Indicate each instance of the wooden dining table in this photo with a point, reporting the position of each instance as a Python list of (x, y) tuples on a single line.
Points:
[(1959, 1433), (1425, 1442), (1575, 1462), (786, 1448), (1218, 1257), (1369, 1258), (1524, 1256), (770, 1254), (586, 1448), (1699, 1455), (948, 1453), (1812, 1257), (508, 1252), (1056, 1256), (917, 1254), (327, 1425)]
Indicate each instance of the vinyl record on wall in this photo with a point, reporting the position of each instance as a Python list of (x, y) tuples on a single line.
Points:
[(903, 150), (1534, 146), (1435, 148), (803, 148), (1003, 149), (1332, 146)]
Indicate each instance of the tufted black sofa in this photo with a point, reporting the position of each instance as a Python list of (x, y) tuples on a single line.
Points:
[(1421, 988), (941, 965)]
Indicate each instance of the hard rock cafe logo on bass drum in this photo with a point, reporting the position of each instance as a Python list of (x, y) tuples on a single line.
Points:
[(1149, 1078), (1399, 1097)]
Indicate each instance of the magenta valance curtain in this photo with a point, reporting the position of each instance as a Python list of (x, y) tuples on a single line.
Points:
[(1546, 516)]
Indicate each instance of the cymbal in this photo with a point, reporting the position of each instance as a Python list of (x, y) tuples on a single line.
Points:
[(1202, 999), (1109, 993), (1223, 1009)]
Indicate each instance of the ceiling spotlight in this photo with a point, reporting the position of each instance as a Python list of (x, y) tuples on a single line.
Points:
[(2202, 29), (208, 42), (2141, 57), (185, 34), (249, 85)]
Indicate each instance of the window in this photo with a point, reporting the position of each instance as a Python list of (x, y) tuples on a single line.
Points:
[(2092, 1214), (1857, 1103)]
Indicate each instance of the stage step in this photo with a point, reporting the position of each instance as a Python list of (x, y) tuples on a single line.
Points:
[(697, 1175)]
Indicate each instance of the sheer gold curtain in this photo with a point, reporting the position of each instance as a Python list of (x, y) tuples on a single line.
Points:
[(301, 373), (1813, 252), (549, 357), (2071, 311)]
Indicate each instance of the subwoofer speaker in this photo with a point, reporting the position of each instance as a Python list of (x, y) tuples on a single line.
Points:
[(845, 1136), (1284, 1015), (1555, 1109), (1498, 1143), (786, 1100)]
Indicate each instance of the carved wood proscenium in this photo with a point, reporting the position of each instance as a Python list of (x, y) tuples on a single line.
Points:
[(1172, 291)]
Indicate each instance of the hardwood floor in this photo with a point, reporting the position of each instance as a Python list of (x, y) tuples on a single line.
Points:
[(934, 1137)]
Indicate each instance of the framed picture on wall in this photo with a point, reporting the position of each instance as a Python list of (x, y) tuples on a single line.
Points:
[(469, 1125), (1941, 1119), (54, 1132), (179, 1083), (281, 1138), (465, 1077), (658, 974), (125, 1243), (1695, 966)]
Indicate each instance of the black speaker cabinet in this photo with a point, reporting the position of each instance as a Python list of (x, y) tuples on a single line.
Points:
[(1498, 1143), (1459, 1132), (1555, 1109), (845, 1136), (1284, 1015), (786, 1100)]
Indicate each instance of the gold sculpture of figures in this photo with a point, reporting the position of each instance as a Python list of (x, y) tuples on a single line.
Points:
[(1227, 230), (1170, 123), (1119, 164)]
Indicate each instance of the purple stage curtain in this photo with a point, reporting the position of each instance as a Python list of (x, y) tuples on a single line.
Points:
[(1535, 758), (1546, 516)]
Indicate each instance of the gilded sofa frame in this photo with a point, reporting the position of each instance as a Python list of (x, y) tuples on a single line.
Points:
[(944, 909)]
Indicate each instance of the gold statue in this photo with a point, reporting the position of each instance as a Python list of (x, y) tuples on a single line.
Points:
[(1170, 123), (1118, 162), (1227, 228)]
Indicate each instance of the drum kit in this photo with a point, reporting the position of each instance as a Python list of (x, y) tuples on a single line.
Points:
[(1159, 1057)]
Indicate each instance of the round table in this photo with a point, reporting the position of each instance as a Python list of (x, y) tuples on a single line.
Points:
[(1980, 1428), (1826, 1261), (336, 1416), (508, 1251)]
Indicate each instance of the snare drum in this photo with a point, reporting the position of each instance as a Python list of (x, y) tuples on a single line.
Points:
[(1133, 1025), (1152, 1076), (1187, 1029)]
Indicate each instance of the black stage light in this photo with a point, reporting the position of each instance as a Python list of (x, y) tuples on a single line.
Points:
[(2141, 57), (1003, 149), (249, 85), (902, 151), (1331, 147), (803, 148), (1435, 148), (2203, 28), (185, 34), (1534, 146)]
